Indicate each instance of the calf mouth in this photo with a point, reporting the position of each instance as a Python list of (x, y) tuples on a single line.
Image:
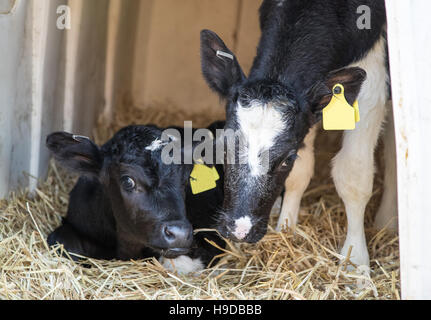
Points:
[(250, 239), (172, 253)]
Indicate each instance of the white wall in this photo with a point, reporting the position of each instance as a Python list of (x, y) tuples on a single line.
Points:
[(12, 44), (22, 95), (409, 41), (36, 70)]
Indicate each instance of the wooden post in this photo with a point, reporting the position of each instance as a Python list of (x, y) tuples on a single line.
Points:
[(410, 52)]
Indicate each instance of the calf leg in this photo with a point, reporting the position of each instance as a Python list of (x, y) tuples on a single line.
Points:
[(387, 214), (353, 171), (76, 243), (297, 182), (353, 166)]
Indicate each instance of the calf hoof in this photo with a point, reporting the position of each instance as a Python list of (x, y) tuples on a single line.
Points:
[(358, 256)]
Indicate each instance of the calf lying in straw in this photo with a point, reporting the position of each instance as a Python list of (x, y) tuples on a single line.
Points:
[(129, 204)]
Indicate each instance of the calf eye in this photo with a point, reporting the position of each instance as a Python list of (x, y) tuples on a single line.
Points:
[(128, 183), (290, 159)]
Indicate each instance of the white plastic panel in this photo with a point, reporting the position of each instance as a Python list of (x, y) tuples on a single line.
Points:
[(409, 42)]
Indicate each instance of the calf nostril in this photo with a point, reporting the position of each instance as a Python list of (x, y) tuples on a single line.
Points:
[(169, 234), (224, 232), (178, 234)]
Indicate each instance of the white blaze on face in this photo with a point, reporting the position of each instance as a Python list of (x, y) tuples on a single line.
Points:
[(242, 227), (260, 124)]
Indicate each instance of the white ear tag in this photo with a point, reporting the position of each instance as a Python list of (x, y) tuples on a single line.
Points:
[(221, 54), (79, 138)]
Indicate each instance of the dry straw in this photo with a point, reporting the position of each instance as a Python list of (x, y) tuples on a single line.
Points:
[(300, 265)]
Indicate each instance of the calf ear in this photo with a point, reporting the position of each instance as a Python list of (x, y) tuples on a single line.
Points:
[(220, 67), (76, 153), (320, 95)]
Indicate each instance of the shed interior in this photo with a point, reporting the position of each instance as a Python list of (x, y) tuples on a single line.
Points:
[(137, 61)]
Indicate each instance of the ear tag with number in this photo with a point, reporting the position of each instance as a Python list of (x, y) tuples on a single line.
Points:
[(203, 178), (339, 114)]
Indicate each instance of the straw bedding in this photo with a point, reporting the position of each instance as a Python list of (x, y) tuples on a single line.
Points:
[(290, 265)]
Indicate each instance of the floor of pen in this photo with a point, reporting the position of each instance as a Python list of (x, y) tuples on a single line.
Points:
[(300, 265)]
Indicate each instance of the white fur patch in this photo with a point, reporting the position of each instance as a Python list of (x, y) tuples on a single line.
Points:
[(260, 124), (156, 145), (280, 3), (242, 227), (182, 264), (374, 91)]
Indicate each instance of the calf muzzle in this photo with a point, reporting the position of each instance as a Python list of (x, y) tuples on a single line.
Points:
[(239, 230), (177, 235)]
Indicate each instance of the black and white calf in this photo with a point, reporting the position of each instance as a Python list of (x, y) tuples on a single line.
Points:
[(129, 204), (305, 49)]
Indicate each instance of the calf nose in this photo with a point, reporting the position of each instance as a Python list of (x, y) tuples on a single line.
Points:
[(178, 234), (236, 230), (242, 227)]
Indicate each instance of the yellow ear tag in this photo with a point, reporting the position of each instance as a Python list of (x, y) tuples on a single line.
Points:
[(203, 178), (356, 107), (339, 114)]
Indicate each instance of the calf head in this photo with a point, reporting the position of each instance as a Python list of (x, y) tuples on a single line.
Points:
[(147, 196), (271, 119)]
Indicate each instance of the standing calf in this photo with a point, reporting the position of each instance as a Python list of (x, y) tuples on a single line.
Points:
[(305, 49), (129, 204)]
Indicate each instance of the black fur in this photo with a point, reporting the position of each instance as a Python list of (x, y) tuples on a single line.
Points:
[(104, 221)]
